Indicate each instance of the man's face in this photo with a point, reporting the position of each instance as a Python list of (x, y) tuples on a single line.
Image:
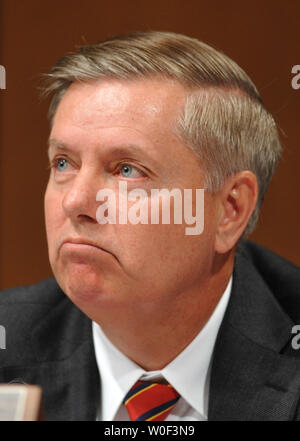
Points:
[(104, 133)]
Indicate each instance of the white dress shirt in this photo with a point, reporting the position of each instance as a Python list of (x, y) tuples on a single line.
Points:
[(188, 373)]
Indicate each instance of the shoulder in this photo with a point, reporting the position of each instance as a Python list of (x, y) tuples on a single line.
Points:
[(280, 275), (263, 256), (42, 293), (23, 305), (35, 318)]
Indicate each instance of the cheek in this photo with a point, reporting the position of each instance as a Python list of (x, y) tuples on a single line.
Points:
[(154, 248), (167, 250), (161, 258)]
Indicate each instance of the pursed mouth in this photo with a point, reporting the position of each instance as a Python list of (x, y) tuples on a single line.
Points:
[(84, 243), (78, 242)]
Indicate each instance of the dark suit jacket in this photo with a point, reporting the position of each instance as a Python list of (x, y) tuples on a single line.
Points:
[(255, 372)]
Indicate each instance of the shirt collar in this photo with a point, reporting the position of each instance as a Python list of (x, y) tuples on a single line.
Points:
[(188, 373)]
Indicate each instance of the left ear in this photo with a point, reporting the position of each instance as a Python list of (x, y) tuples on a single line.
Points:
[(237, 200)]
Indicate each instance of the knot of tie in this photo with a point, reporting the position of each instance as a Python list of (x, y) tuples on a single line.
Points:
[(148, 401)]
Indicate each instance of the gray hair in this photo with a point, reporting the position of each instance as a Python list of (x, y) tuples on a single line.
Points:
[(223, 121)]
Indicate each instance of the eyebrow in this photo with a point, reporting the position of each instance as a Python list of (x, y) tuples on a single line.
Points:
[(53, 143)]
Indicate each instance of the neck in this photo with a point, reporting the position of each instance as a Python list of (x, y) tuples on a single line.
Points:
[(153, 337)]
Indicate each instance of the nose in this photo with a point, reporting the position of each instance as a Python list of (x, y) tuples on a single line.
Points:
[(79, 201)]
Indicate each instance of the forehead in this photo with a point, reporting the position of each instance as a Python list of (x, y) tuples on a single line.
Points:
[(144, 103)]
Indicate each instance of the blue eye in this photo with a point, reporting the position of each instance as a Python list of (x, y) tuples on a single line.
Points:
[(126, 171), (61, 164), (129, 171)]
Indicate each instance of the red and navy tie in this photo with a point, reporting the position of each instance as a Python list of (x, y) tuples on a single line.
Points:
[(148, 401)]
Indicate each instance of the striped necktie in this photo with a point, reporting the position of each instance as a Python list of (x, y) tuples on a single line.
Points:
[(148, 401)]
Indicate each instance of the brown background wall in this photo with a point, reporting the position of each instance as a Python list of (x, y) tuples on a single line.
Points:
[(262, 36)]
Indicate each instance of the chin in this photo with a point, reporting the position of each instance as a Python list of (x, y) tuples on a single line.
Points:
[(82, 285), (91, 295)]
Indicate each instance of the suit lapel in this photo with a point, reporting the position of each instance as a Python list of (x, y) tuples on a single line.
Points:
[(250, 378)]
